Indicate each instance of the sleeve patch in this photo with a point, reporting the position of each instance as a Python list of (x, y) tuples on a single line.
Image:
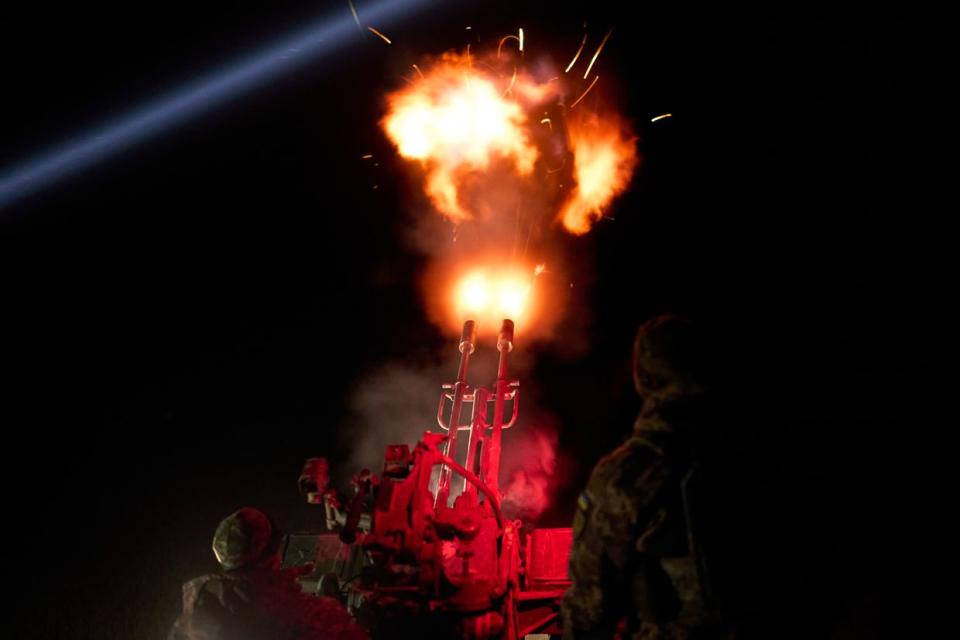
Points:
[(583, 502)]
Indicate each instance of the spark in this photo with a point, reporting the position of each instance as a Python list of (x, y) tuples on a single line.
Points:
[(504, 39), (547, 121), (356, 18), (540, 268), (513, 81), (577, 54), (418, 71), (563, 163), (597, 54), (383, 37), (521, 39), (584, 94), (666, 115), (366, 157)]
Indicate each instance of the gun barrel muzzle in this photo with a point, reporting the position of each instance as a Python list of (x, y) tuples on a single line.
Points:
[(505, 339), (468, 338)]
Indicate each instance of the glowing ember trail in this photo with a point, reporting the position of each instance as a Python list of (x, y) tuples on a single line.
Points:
[(356, 18), (584, 94), (382, 37), (604, 159), (510, 37), (597, 54), (577, 54)]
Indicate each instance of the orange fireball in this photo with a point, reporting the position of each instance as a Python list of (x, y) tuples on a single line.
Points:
[(456, 120), (604, 157)]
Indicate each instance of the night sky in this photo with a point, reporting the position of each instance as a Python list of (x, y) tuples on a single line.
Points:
[(187, 322)]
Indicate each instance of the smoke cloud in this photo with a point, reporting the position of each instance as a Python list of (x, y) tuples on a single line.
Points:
[(395, 405), (529, 466)]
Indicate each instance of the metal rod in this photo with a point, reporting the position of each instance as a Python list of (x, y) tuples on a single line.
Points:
[(468, 339), (504, 346), (490, 493), (477, 433)]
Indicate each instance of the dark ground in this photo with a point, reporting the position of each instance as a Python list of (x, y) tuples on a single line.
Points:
[(183, 325)]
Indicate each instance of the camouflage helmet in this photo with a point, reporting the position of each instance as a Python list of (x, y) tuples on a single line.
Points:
[(667, 357), (245, 538)]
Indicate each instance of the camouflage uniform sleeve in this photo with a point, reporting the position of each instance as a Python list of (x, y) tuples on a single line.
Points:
[(610, 513), (203, 613)]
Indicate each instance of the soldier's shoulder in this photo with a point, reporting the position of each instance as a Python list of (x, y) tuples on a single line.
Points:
[(200, 583), (636, 461), (218, 587), (635, 451)]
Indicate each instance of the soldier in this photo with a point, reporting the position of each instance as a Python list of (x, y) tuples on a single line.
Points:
[(253, 599), (634, 559)]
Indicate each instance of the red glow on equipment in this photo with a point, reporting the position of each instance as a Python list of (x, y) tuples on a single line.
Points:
[(429, 535), (534, 460)]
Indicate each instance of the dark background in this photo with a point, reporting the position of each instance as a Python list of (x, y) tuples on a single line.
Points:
[(184, 324)]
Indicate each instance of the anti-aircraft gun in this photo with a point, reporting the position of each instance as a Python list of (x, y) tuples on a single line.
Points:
[(424, 547)]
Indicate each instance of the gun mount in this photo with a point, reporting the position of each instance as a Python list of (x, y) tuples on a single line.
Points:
[(425, 545)]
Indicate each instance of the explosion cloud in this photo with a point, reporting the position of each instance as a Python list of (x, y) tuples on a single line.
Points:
[(506, 156), (604, 156), (454, 121)]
